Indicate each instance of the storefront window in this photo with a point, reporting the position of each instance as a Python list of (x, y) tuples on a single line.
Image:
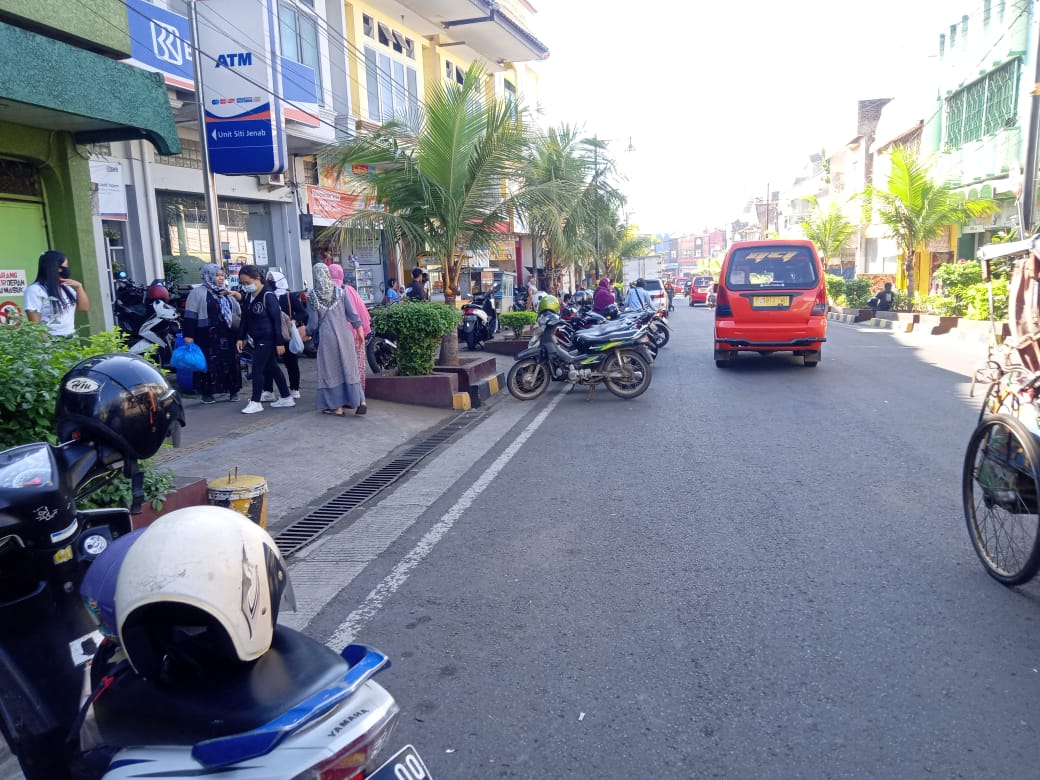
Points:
[(245, 233)]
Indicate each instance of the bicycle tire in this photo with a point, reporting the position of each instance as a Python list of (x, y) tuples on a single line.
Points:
[(1001, 487)]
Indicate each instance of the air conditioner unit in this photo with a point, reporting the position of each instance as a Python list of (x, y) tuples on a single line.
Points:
[(272, 180)]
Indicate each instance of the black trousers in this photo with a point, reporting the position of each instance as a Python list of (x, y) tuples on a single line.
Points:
[(292, 368), (265, 362)]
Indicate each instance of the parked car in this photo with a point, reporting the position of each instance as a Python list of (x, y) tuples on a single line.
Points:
[(771, 298), (699, 288), (658, 296)]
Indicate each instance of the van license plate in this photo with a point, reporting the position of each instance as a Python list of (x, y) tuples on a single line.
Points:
[(766, 301)]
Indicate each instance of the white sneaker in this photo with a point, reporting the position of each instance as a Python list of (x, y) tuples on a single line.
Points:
[(283, 403), (294, 393), (252, 408), (268, 396)]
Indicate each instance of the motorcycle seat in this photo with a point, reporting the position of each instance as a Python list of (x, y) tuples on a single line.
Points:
[(600, 337), (136, 711)]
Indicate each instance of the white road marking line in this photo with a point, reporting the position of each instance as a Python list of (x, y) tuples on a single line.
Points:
[(375, 600)]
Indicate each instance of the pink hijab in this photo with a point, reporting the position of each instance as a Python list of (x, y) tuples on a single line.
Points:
[(336, 272)]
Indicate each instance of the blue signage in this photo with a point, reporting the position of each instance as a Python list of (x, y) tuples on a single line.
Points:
[(160, 41)]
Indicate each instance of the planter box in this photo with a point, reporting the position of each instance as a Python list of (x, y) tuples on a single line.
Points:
[(437, 390), (936, 324), (980, 330), (470, 370), (190, 491), (506, 346), (858, 315), (899, 316)]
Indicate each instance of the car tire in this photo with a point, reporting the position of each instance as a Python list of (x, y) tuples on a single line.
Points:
[(723, 358), (812, 359)]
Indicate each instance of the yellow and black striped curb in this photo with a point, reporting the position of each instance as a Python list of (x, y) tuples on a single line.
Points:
[(849, 318), (481, 391), (903, 326)]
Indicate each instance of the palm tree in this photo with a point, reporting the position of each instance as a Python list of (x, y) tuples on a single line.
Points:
[(437, 179), (624, 241), (915, 209), (558, 172), (830, 231)]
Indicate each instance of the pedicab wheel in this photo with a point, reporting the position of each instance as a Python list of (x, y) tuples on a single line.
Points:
[(528, 379), (1001, 483), (627, 373)]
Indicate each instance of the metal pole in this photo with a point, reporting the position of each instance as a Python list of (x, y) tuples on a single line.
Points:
[(1029, 175), (208, 188)]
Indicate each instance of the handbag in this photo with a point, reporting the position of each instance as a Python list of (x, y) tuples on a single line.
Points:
[(188, 357)]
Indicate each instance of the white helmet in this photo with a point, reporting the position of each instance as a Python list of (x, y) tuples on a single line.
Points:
[(201, 587), (536, 298)]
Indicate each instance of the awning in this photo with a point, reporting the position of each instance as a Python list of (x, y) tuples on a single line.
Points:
[(51, 84), (482, 25)]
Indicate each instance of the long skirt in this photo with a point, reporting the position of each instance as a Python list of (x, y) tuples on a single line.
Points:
[(223, 372), (362, 360), (339, 380)]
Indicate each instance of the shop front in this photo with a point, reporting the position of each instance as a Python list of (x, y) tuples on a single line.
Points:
[(363, 257)]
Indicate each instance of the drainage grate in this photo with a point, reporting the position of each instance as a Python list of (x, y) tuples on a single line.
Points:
[(308, 528)]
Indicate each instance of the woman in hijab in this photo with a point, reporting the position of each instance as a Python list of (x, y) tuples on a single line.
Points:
[(279, 285), (603, 297), (339, 330), (336, 272), (209, 313)]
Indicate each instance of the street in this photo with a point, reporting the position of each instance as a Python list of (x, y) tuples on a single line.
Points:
[(756, 571)]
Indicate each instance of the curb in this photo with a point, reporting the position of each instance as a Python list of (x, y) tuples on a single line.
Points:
[(901, 326), (847, 318), (485, 388)]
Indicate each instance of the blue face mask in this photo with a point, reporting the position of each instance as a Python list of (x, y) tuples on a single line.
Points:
[(249, 288)]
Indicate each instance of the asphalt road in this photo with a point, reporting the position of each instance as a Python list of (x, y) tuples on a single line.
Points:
[(760, 571)]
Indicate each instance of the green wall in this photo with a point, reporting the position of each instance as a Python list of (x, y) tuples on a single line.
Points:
[(98, 25)]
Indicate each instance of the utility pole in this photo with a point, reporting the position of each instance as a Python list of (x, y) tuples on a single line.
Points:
[(595, 179), (208, 188), (1028, 197)]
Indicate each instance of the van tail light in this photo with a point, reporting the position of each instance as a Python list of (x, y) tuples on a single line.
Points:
[(722, 307), (820, 306)]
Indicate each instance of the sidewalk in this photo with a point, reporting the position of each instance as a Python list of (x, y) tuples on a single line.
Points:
[(305, 456)]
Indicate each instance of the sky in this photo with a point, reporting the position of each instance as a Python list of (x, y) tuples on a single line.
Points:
[(723, 99)]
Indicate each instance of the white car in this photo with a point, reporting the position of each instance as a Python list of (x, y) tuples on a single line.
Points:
[(658, 296)]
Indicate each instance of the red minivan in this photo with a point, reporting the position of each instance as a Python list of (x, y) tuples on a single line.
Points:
[(771, 298)]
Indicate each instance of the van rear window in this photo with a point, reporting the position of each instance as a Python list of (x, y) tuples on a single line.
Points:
[(774, 267)]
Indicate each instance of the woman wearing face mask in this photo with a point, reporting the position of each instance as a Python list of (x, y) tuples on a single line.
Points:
[(55, 297), (262, 322), (279, 285), (208, 314)]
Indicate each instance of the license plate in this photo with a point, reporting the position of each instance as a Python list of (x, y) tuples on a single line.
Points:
[(405, 764), (766, 301)]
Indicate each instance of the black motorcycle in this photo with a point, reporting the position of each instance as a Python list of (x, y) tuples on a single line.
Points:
[(479, 318), (617, 358)]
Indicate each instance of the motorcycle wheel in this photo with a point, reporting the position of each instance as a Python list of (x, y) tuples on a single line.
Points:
[(634, 370), (380, 356), (528, 379), (651, 351), (471, 340), (660, 334)]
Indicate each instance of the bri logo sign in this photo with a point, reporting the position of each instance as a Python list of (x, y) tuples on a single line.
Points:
[(160, 41)]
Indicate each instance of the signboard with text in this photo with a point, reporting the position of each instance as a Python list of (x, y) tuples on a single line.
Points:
[(244, 127), (160, 41), (331, 204), (108, 176), (12, 283)]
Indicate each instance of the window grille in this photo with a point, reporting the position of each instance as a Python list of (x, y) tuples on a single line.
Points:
[(984, 106), (190, 156)]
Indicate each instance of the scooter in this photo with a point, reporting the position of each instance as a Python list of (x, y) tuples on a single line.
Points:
[(300, 710), (617, 358), (147, 320), (479, 318)]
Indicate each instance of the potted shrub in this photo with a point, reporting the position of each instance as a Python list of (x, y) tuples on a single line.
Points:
[(418, 328), (517, 322)]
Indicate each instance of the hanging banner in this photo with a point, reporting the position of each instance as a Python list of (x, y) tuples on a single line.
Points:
[(240, 77), (111, 193), (331, 204)]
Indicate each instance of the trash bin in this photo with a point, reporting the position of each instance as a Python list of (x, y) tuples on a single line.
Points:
[(244, 493)]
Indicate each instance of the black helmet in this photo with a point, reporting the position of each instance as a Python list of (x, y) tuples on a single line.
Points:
[(612, 312), (582, 298), (640, 282), (119, 400)]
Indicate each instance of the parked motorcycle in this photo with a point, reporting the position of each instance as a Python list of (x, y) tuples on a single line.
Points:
[(147, 318), (295, 709), (381, 351), (479, 318), (617, 358)]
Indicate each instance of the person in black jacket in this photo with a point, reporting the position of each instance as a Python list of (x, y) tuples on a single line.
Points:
[(416, 291), (262, 322), (883, 300), (293, 307)]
